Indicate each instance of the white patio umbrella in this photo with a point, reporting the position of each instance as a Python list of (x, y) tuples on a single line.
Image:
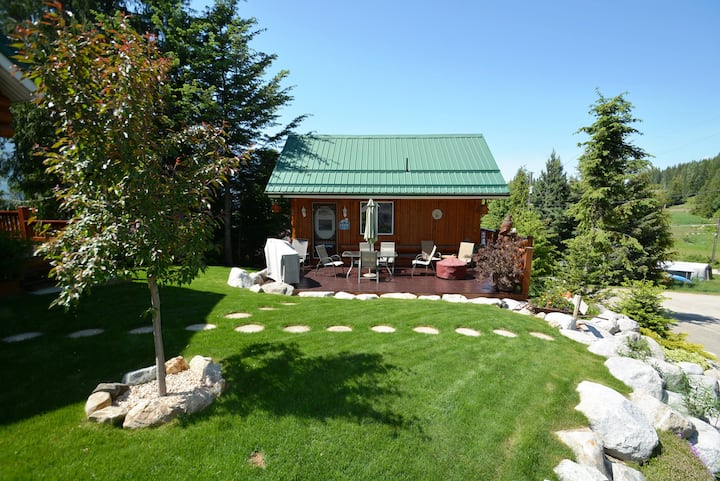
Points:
[(371, 224)]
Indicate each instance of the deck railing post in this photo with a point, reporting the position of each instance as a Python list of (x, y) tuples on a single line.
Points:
[(527, 271)]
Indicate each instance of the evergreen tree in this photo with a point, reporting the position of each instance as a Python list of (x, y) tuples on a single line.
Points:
[(551, 198), (622, 231)]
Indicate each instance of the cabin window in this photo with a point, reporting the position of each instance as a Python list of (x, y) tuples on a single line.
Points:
[(386, 217)]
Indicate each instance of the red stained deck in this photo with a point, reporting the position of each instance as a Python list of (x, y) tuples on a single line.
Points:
[(419, 284)]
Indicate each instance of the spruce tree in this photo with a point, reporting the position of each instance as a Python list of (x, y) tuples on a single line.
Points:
[(622, 231), (551, 198)]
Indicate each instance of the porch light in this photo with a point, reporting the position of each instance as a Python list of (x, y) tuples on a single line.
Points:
[(303, 211), (344, 211)]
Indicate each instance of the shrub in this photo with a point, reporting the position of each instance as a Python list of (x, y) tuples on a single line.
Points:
[(553, 298), (501, 261), (15, 254), (643, 303)]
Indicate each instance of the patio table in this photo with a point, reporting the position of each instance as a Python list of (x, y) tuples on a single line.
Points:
[(352, 255)]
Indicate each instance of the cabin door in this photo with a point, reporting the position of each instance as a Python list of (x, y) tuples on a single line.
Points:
[(325, 227)]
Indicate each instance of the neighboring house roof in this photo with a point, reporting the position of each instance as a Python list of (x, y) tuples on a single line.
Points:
[(386, 166), (12, 84)]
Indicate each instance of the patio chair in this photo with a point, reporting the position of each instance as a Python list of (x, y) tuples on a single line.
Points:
[(424, 259), (465, 252), (387, 256), (326, 260), (301, 246), (369, 260), (427, 246)]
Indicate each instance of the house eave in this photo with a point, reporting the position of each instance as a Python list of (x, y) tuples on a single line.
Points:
[(12, 83)]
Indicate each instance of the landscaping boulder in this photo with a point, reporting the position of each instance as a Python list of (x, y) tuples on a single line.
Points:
[(140, 376), (175, 365), (691, 368), (97, 401), (707, 444), (636, 374), (621, 472), (114, 415), (578, 336), (278, 288), (560, 320), (114, 388), (673, 377), (662, 416), (153, 413), (239, 278), (627, 325), (606, 321), (625, 431), (571, 471), (587, 446)]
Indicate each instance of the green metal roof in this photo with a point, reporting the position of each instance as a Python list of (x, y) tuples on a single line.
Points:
[(387, 165)]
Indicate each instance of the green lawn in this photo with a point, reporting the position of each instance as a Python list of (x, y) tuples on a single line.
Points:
[(693, 235), (318, 405)]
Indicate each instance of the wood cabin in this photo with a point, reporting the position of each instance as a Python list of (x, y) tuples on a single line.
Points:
[(428, 187)]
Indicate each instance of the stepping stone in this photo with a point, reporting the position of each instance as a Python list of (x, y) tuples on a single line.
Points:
[(250, 328), (22, 337), (339, 329), (267, 308), (426, 330), (297, 329), (85, 333), (466, 331), (238, 315), (142, 330), (289, 303), (200, 327), (383, 329), (504, 333), (543, 336)]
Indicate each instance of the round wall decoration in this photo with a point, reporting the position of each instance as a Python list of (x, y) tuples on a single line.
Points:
[(437, 214)]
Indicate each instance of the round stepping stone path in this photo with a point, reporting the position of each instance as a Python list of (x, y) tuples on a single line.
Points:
[(238, 315), (85, 333), (200, 327), (142, 330), (289, 303), (504, 333), (297, 329), (267, 308), (466, 331), (24, 336), (543, 336), (384, 329), (426, 330), (250, 328), (339, 329)]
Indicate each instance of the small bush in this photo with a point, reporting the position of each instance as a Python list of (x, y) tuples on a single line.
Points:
[(553, 298), (501, 261), (15, 253), (643, 303), (637, 348)]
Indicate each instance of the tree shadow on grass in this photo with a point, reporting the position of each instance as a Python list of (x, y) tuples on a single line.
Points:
[(52, 371), (280, 379)]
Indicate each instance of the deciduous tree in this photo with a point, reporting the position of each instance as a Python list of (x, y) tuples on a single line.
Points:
[(138, 191)]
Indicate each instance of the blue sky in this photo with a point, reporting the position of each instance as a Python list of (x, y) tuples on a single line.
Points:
[(523, 73)]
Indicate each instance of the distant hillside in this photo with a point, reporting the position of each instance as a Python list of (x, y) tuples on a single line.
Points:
[(699, 179)]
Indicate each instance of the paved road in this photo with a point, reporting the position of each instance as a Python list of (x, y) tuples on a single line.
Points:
[(698, 315)]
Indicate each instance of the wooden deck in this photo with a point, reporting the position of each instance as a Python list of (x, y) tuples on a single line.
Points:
[(419, 284)]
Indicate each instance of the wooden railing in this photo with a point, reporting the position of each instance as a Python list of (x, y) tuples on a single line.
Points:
[(23, 224)]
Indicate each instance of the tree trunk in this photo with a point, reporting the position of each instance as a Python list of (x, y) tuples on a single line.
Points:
[(227, 227), (157, 334)]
